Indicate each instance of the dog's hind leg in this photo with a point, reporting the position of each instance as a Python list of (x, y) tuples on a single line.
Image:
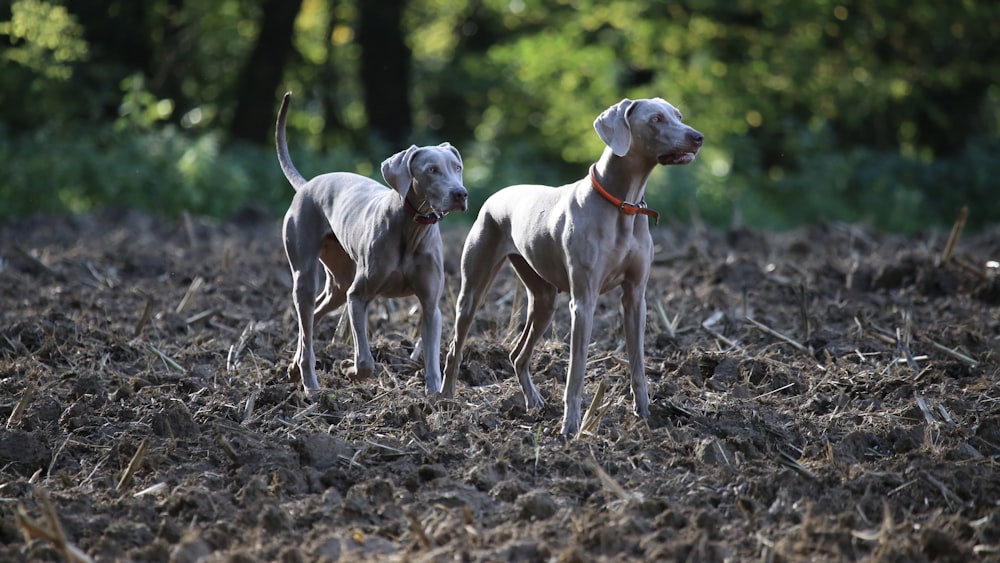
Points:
[(329, 300), (541, 307), (338, 271), (482, 258), (303, 259)]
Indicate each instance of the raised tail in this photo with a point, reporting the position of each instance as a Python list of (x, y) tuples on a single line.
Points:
[(284, 159)]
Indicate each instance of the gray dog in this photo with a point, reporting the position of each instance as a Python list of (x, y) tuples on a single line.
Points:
[(369, 241), (583, 238)]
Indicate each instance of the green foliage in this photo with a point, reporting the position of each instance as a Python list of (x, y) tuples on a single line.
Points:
[(141, 109), (166, 171), (162, 171), (816, 110), (45, 38), (885, 189)]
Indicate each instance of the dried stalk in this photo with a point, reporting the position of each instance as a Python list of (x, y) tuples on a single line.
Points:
[(133, 465), (971, 362), (922, 405), (152, 489), (227, 448), (669, 325), (882, 335), (196, 284), (970, 268), (144, 318), (875, 331), (773, 391), (948, 495), (594, 412), (418, 529), (202, 316), (956, 232), (793, 464), (771, 332), (607, 480), (189, 230), (36, 262), (22, 403), (903, 348), (52, 531), (236, 351), (248, 408), (804, 312), (166, 359), (707, 324)]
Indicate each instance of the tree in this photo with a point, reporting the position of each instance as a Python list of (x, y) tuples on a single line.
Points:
[(263, 71), (385, 70)]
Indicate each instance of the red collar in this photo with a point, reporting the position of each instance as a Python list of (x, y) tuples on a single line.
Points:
[(428, 219), (623, 206)]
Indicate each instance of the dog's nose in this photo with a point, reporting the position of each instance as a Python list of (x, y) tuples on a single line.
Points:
[(696, 137), (460, 199)]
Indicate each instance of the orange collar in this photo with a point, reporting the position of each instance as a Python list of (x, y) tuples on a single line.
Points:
[(623, 206)]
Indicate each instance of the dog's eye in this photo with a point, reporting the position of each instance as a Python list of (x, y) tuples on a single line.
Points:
[(656, 119), (432, 170)]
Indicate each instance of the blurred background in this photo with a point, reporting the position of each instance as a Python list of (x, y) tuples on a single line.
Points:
[(818, 110)]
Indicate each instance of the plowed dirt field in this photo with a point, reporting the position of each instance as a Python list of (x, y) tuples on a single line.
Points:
[(825, 394)]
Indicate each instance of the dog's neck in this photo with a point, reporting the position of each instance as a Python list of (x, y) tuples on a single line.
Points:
[(417, 225), (624, 176), (421, 218)]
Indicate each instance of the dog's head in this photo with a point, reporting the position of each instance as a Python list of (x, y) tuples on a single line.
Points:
[(433, 173), (651, 127)]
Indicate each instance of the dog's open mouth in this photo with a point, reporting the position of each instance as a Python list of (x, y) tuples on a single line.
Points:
[(679, 157)]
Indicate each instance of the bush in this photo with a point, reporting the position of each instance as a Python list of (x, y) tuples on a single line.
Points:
[(160, 171), (887, 190), (165, 171)]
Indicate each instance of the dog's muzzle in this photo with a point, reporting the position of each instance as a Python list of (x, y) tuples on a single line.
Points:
[(459, 200)]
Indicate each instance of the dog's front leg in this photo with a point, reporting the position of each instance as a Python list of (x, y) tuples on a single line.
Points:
[(581, 311), (634, 305), (430, 334), (357, 311)]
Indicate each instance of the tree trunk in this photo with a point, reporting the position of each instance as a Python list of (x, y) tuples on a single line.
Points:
[(120, 46), (171, 58), (385, 70), (256, 99)]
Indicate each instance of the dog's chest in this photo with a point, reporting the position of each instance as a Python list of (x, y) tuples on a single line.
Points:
[(626, 256), (396, 284), (408, 275)]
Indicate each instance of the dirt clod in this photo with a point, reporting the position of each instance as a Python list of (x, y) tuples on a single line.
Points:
[(535, 505)]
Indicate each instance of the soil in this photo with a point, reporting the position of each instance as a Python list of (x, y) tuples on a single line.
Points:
[(829, 393)]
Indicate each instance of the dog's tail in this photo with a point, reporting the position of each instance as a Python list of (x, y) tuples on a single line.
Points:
[(284, 159)]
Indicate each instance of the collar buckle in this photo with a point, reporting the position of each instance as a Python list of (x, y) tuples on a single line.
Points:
[(625, 207), (425, 219)]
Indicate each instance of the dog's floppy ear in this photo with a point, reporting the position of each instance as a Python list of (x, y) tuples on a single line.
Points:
[(613, 128), (447, 145), (396, 170)]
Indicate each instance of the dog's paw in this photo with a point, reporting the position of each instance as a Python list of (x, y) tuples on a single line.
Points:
[(432, 384), (569, 431), (353, 373), (533, 400), (294, 373)]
